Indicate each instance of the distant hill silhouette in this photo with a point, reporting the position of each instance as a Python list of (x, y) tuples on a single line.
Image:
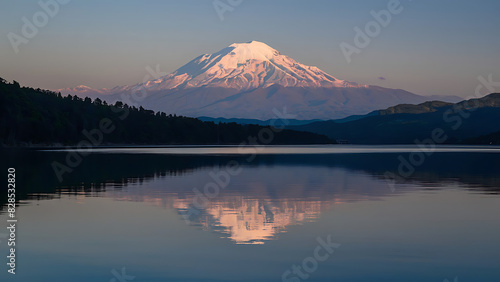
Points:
[(489, 139), (403, 124)]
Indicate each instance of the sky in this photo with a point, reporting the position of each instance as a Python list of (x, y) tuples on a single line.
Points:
[(428, 47)]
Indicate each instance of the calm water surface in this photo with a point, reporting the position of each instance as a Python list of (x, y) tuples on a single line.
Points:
[(224, 214)]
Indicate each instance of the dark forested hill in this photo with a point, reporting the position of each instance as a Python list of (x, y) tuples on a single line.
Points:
[(403, 124), (35, 116), (489, 139)]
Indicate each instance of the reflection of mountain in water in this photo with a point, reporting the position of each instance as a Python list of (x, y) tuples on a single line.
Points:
[(253, 221), (243, 220), (272, 193)]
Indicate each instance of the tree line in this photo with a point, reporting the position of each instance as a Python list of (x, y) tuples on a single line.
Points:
[(31, 116)]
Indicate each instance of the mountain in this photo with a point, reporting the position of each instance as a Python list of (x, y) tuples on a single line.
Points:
[(247, 66), (403, 124), (426, 107), (249, 81)]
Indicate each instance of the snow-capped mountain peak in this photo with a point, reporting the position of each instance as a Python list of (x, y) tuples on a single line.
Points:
[(252, 50), (247, 66), (242, 66)]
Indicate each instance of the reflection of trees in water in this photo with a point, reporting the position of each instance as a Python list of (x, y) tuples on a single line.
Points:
[(100, 172)]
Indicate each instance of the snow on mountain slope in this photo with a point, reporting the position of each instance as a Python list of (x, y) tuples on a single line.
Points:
[(247, 66), (249, 80)]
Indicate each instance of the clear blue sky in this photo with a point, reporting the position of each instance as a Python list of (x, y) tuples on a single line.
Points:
[(431, 47)]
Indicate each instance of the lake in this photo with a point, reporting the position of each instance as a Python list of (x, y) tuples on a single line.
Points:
[(278, 213)]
